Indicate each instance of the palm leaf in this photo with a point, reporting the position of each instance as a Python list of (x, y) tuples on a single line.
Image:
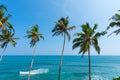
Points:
[(116, 32), (76, 40), (4, 44), (75, 45), (95, 44), (68, 35), (71, 28), (57, 33), (113, 24), (13, 43), (95, 27), (41, 36), (99, 34), (3, 8)]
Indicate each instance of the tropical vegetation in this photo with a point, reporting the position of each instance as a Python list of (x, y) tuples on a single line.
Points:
[(62, 28), (87, 38), (115, 23), (6, 30), (4, 20), (116, 78), (5, 38), (35, 37)]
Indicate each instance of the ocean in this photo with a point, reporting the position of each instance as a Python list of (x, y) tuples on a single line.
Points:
[(46, 67)]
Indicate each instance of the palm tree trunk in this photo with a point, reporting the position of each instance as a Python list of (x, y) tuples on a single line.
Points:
[(32, 62), (2, 53), (89, 68), (61, 58)]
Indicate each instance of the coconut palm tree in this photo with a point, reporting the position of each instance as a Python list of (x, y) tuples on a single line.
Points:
[(85, 39), (4, 23), (62, 28), (5, 38), (115, 23), (35, 37)]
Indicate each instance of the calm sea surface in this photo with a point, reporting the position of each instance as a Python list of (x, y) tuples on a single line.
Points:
[(46, 67)]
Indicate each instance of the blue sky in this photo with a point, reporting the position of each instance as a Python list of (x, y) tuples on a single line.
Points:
[(45, 13)]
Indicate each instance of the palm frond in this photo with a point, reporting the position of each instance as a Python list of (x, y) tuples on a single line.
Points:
[(82, 50), (68, 35), (78, 34), (32, 43), (9, 25), (116, 17), (13, 43), (66, 21), (99, 34), (116, 32), (75, 45), (4, 44), (15, 38), (41, 36), (3, 8), (95, 27), (56, 33), (76, 40), (113, 24), (7, 17), (84, 28), (71, 28), (95, 44), (116, 21)]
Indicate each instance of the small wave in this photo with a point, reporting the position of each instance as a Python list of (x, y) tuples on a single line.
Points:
[(96, 77), (33, 72)]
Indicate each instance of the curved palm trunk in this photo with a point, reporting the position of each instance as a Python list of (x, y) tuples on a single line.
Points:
[(89, 68), (2, 53), (61, 58), (32, 62)]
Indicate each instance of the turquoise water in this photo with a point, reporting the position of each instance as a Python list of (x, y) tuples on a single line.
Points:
[(74, 67)]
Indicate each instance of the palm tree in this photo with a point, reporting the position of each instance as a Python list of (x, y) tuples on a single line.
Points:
[(85, 39), (35, 36), (4, 23), (5, 38), (61, 28), (115, 23)]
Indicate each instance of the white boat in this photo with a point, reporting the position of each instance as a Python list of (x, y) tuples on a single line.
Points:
[(25, 73), (33, 72)]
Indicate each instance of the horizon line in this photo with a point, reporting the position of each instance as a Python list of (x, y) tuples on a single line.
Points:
[(56, 55)]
